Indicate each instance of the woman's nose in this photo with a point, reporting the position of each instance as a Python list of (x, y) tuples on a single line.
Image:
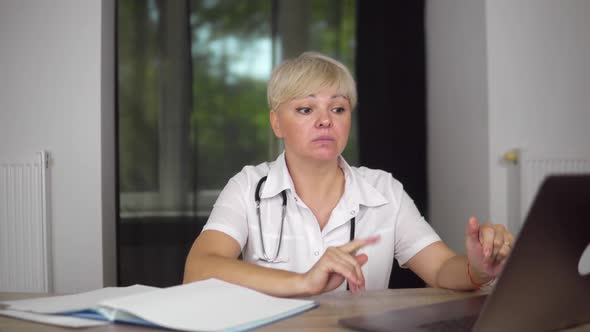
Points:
[(324, 120)]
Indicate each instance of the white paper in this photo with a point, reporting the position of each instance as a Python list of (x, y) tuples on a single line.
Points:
[(75, 302), (208, 305), (53, 319)]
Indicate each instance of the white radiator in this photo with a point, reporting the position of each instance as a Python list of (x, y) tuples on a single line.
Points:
[(527, 174), (24, 226)]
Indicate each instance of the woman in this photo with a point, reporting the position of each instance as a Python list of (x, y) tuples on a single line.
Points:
[(320, 222)]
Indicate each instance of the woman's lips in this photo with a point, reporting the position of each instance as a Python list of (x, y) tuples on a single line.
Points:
[(323, 139)]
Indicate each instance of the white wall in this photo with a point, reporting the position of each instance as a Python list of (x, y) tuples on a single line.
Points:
[(539, 83), (457, 117), (56, 83), (526, 87)]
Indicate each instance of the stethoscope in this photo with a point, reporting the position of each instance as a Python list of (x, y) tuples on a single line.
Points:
[(265, 257)]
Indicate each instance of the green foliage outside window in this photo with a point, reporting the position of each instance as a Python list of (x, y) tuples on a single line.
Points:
[(231, 50)]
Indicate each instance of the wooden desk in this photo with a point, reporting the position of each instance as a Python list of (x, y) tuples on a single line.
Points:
[(324, 318)]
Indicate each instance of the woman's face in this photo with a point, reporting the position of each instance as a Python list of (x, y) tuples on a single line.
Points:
[(314, 127)]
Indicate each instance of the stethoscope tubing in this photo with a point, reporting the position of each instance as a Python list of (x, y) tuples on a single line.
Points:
[(276, 259), (265, 257)]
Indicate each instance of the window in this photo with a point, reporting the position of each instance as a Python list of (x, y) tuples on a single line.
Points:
[(192, 108)]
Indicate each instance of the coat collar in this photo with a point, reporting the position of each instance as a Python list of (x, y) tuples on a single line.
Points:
[(357, 190)]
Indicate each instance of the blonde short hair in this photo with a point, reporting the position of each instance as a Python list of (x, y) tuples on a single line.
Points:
[(305, 75)]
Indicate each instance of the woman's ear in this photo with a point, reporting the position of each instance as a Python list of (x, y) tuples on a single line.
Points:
[(274, 123)]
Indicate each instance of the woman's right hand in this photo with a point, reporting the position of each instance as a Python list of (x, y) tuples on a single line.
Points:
[(336, 265)]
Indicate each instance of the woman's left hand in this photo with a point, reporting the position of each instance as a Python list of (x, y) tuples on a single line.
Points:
[(487, 247)]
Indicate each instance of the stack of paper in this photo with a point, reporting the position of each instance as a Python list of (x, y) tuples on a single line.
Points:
[(209, 305)]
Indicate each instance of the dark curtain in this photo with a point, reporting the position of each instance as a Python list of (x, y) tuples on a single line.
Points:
[(392, 99)]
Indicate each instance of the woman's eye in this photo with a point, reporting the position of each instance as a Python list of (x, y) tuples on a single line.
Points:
[(338, 110), (304, 110)]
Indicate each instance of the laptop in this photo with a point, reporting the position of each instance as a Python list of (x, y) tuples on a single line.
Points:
[(542, 286)]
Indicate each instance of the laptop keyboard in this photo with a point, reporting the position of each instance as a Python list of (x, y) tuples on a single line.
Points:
[(451, 325)]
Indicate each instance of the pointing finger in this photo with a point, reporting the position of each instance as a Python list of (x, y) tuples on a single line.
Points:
[(473, 228), (353, 246)]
